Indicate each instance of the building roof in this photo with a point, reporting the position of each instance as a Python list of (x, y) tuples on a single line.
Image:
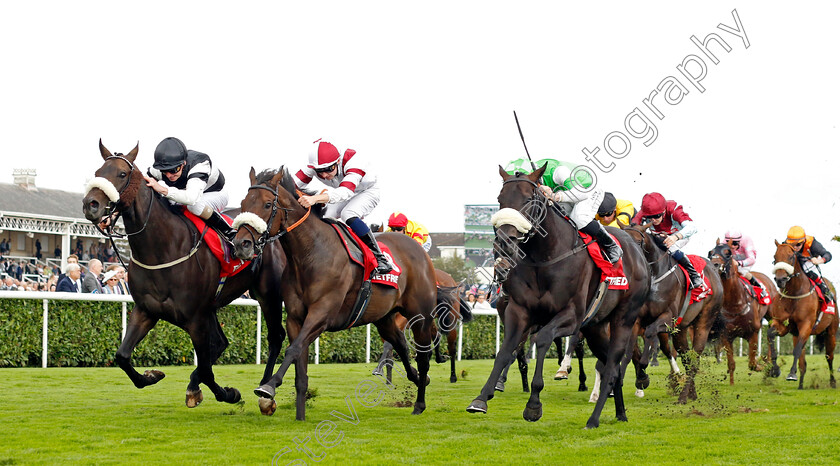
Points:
[(40, 202), (445, 240)]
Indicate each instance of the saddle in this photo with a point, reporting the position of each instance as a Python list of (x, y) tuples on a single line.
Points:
[(826, 306), (613, 274), (363, 256), (755, 292), (699, 293), (221, 249)]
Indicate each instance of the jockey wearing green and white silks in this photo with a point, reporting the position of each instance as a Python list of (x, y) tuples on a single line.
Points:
[(559, 185)]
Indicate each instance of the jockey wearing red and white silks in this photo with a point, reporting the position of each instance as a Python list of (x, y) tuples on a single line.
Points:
[(344, 182)]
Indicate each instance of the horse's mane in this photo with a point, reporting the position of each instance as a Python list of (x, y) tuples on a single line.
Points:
[(287, 183)]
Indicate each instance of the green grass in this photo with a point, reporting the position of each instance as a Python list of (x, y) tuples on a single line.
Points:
[(95, 415)]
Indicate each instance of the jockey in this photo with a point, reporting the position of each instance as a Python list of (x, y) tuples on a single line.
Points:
[(615, 212), (743, 251), (348, 188), (560, 186), (399, 223), (189, 177), (670, 219), (811, 254)]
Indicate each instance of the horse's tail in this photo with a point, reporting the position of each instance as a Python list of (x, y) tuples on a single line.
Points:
[(718, 327), (819, 340), (449, 295)]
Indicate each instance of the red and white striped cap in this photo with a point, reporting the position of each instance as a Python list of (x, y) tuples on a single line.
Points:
[(323, 154)]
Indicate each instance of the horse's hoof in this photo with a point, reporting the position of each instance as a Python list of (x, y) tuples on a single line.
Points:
[(791, 378), (233, 395), (640, 394), (532, 414), (561, 375), (194, 398), (654, 363), (833, 383), (592, 424), (643, 382), (582, 388), (775, 372), (377, 372), (441, 359), (477, 406), (267, 406), (153, 376), (500, 386), (453, 379), (419, 408), (264, 391)]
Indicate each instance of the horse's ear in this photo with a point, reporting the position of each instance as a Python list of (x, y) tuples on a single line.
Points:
[(275, 180), (133, 154), (777, 243), (504, 174), (102, 150), (537, 175), (253, 176), (717, 241)]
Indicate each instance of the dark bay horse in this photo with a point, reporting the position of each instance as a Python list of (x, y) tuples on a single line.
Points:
[(179, 284), (664, 304), (741, 313), (796, 310), (452, 308), (550, 282), (321, 284)]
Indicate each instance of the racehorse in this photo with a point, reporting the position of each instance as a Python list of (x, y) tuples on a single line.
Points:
[(741, 312), (180, 284), (797, 310), (458, 309), (321, 284), (665, 305), (550, 283)]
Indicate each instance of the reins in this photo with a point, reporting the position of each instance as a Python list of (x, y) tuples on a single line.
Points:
[(266, 236)]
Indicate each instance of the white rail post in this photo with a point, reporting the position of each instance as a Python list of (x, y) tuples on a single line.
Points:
[(759, 341), (367, 343), (318, 350), (44, 341), (778, 343), (259, 333), (498, 329), (811, 340), (460, 338), (124, 319), (740, 347), (533, 351)]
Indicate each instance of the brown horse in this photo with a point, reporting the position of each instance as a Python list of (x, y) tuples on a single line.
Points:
[(551, 281), (664, 305), (796, 310), (180, 283), (458, 311), (741, 313), (321, 284)]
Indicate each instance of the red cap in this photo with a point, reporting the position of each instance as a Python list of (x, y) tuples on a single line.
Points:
[(397, 220), (653, 204), (323, 154)]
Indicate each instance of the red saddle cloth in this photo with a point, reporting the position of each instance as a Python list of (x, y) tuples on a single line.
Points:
[(611, 273), (755, 292), (700, 292), (825, 305), (368, 260), (230, 265)]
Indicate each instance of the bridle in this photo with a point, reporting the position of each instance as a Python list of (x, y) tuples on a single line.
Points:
[(727, 262), (789, 278), (266, 236)]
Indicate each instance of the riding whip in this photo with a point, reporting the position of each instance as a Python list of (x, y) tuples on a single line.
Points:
[(533, 167)]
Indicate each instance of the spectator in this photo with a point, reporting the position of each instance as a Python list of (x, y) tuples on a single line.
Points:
[(481, 302), (122, 286), (38, 249), (470, 299), (57, 252), (9, 284), (111, 283), (90, 284), (3, 247), (52, 282), (71, 282)]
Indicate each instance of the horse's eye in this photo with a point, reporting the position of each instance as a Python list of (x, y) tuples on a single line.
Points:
[(267, 205), (123, 174)]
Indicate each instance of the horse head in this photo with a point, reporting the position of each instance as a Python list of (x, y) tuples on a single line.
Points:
[(784, 264), (114, 187), (522, 207), (721, 258), (643, 239), (264, 211)]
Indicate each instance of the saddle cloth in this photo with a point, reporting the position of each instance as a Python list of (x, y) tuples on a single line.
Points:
[(362, 255), (221, 249), (755, 292), (825, 306), (611, 273), (700, 292)]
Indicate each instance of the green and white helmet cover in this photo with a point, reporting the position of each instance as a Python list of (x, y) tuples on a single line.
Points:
[(582, 177)]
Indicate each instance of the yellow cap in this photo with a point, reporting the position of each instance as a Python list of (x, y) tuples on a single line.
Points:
[(795, 235)]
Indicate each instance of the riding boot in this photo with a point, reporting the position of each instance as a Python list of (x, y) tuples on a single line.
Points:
[(383, 265), (829, 297), (608, 245), (218, 223), (754, 281), (696, 279)]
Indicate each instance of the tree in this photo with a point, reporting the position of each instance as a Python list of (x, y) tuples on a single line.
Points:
[(456, 266)]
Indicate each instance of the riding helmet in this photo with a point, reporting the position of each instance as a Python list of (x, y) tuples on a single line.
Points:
[(323, 155), (169, 154), (653, 204), (795, 235), (397, 220), (607, 205)]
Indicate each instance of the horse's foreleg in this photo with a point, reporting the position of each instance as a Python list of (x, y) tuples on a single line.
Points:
[(516, 326), (387, 355), (522, 361), (579, 353), (533, 409), (730, 357), (210, 342), (302, 337), (830, 341), (451, 343), (138, 327), (273, 315), (775, 371), (301, 384), (610, 350), (753, 350), (798, 357)]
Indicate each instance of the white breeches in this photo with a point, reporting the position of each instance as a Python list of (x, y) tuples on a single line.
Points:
[(216, 200), (359, 205), (585, 209)]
